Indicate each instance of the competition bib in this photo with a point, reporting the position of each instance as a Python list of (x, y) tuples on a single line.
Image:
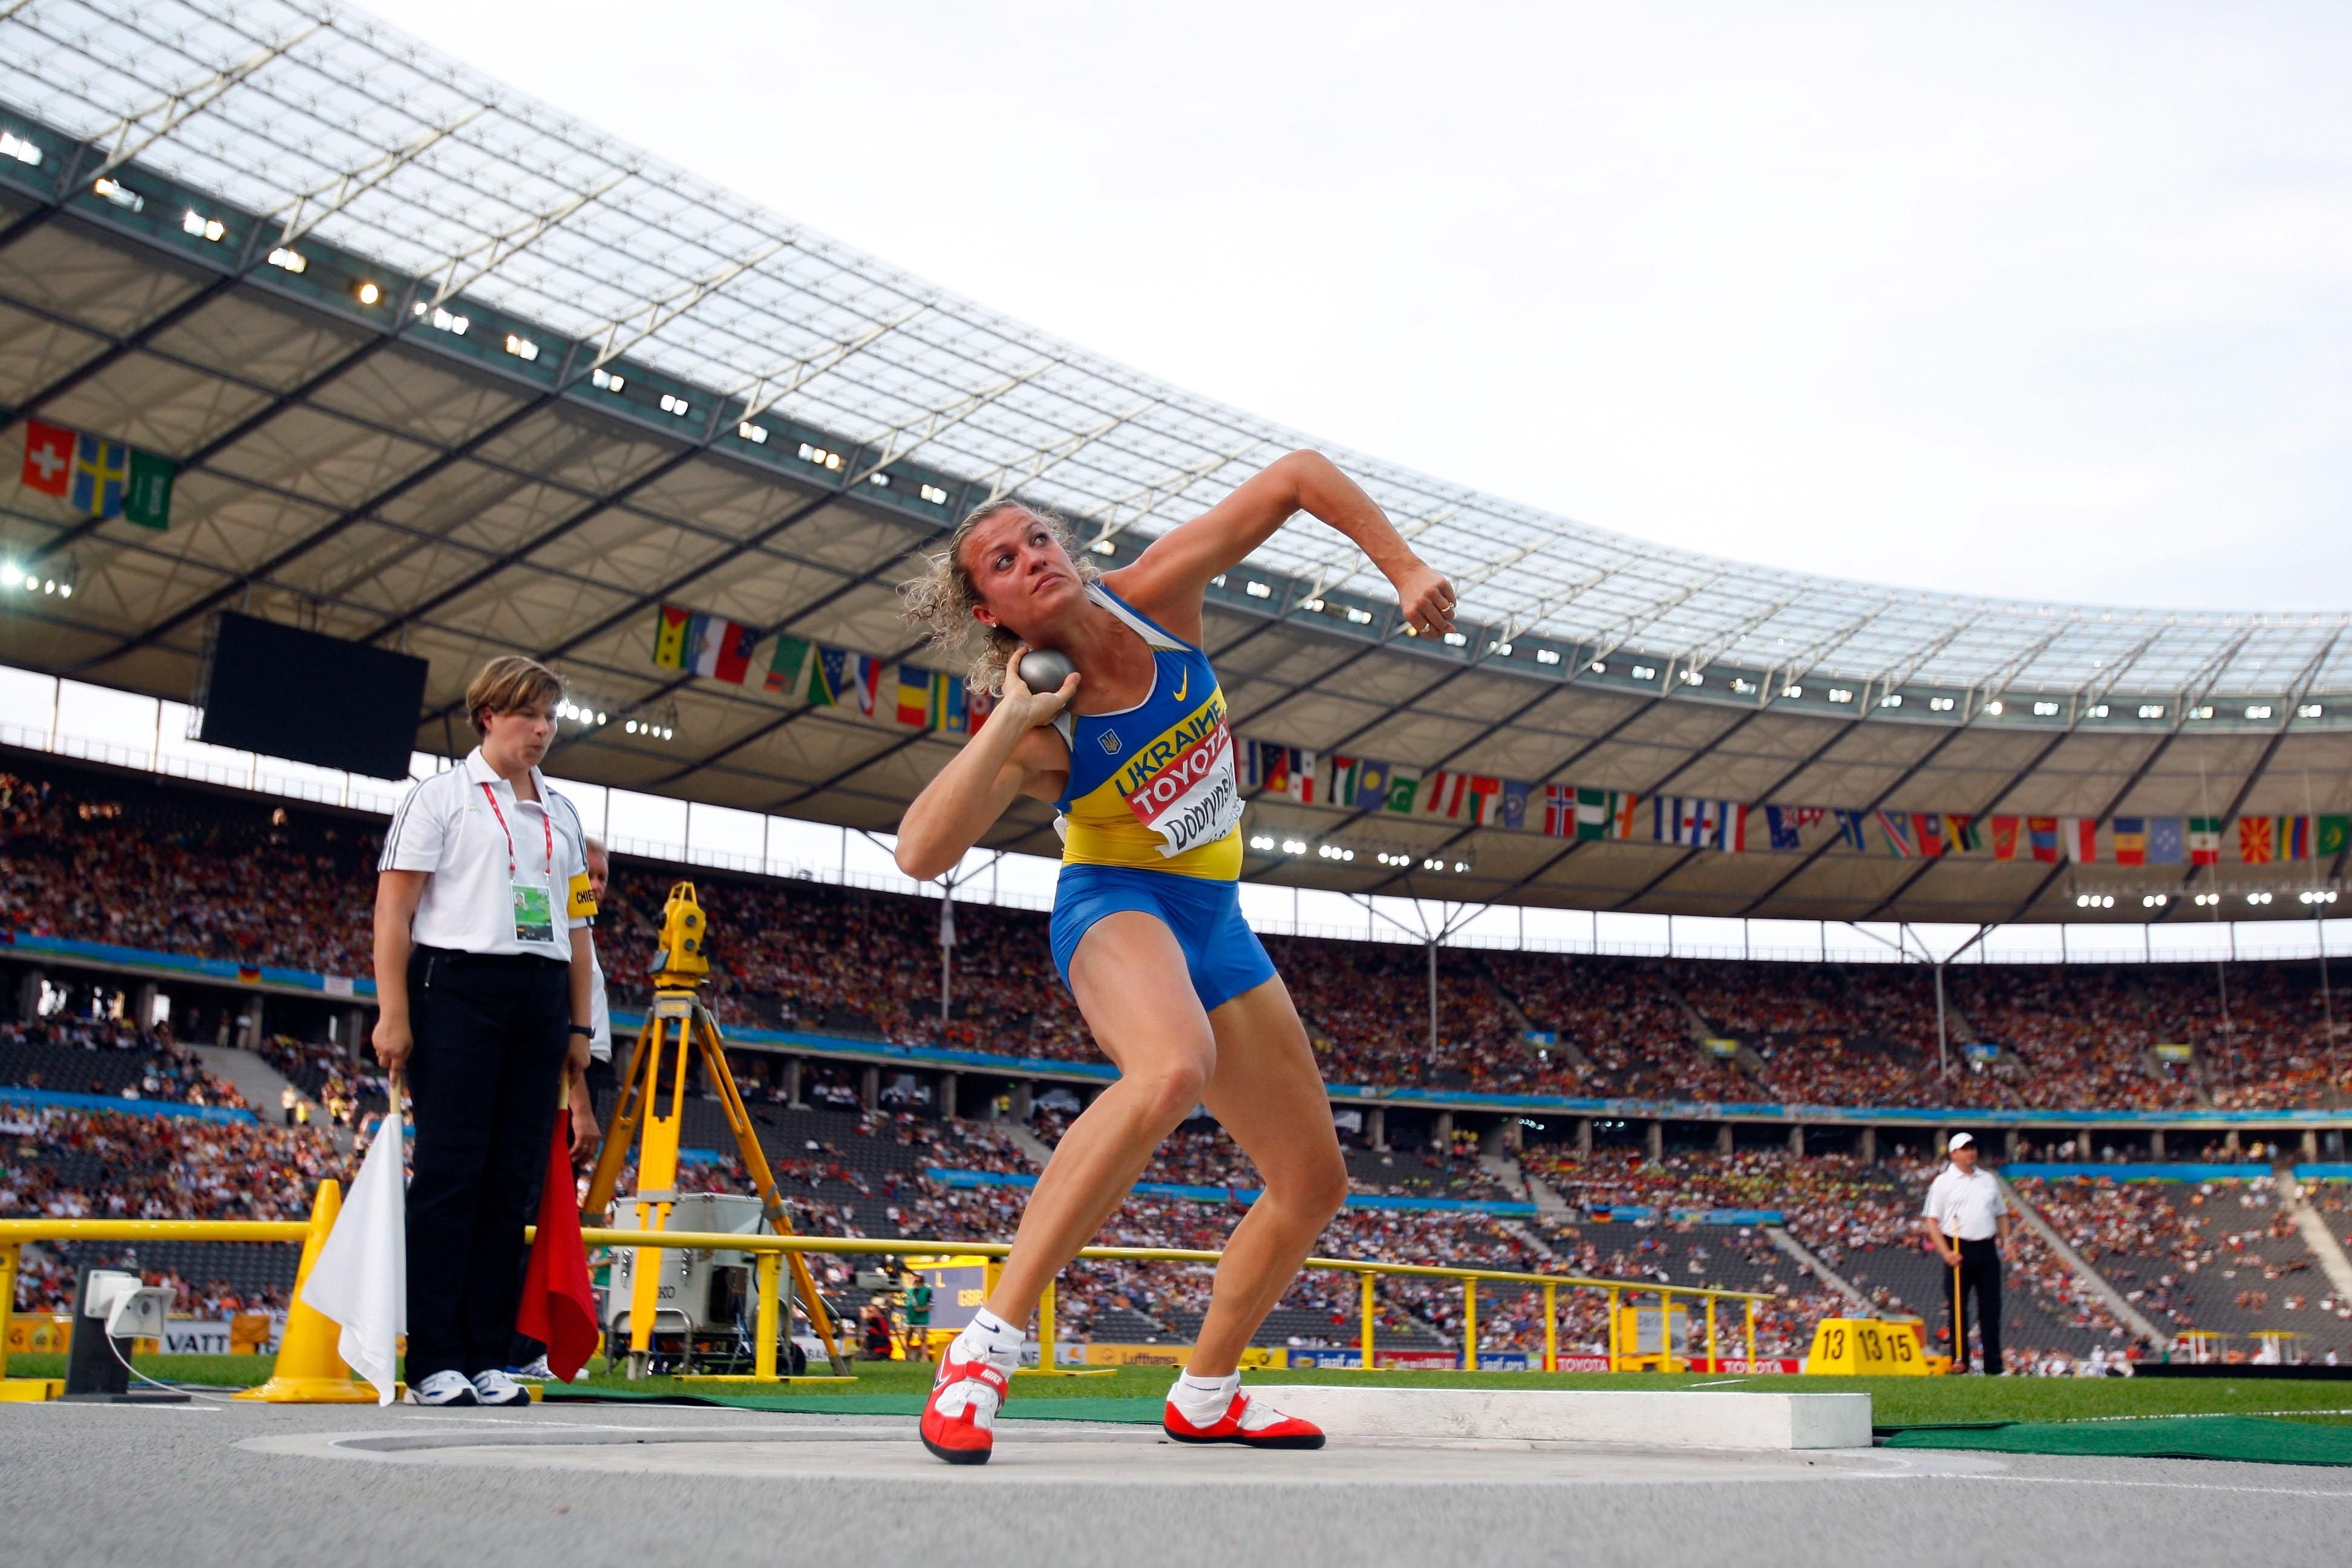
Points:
[(1181, 787)]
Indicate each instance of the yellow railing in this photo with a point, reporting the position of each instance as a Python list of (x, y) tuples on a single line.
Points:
[(15, 1232)]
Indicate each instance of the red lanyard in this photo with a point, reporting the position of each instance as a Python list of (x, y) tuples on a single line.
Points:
[(489, 796)]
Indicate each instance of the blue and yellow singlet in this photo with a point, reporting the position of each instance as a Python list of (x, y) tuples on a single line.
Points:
[(1152, 787)]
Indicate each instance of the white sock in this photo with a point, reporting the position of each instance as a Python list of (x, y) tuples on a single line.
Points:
[(1204, 1401), (988, 1337)]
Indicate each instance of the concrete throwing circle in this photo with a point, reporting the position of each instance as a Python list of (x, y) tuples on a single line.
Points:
[(1106, 1456)]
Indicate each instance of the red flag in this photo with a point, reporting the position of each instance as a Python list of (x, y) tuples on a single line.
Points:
[(558, 1306), (48, 457)]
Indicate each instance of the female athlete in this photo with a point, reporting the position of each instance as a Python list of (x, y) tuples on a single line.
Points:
[(1135, 753)]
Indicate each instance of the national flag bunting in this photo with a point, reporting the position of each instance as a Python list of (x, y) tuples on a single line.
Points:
[(101, 470), (2332, 836), (1928, 832), (946, 712), (829, 673), (1702, 823), (1305, 774), (1514, 811), (1444, 795), (2004, 836), (1403, 786), (1560, 810), (789, 662), (2205, 841), (1272, 769), (864, 681), (724, 649), (2042, 835), (914, 697), (1850, 826), (2130, 836), (1900, 842), (2264, 839), (2167, 841), (48, 457), (1606, 813), (2081, 835), (99, 478), (703, 645), (671, 626), (1347, 780)]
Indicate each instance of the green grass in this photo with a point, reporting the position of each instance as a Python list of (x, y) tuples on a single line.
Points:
[(1895, 1401), (209, 1371)]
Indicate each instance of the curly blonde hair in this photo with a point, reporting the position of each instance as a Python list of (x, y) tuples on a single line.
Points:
[(942, 598)]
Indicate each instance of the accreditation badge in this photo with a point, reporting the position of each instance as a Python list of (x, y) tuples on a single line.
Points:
[(534, 912)]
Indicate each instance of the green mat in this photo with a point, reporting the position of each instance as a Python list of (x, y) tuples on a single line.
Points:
[(2251, 1437), (1142, 1412)]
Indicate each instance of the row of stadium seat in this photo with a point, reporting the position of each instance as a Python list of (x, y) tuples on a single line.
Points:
[(185, 871)]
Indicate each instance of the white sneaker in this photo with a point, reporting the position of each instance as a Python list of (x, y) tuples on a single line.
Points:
[(495, 1387), (443, 1388), (537, 1372)]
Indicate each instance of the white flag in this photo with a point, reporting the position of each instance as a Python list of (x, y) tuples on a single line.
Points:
[(360, 1280)]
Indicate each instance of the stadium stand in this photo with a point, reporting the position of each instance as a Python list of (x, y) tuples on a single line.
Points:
[(181, 866), (72, 1164), (2221, 1257), (99, 1055)]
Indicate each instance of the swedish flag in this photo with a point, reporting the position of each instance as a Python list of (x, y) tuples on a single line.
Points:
[(101, 470)]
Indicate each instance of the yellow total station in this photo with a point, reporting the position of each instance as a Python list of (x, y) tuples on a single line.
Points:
[(679, 1030), (683, 956)]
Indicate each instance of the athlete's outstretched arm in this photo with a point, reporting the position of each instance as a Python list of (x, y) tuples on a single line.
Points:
[(1013, 755), (1169, 579)]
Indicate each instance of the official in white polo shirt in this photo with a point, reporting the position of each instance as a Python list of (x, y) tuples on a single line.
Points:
[(1966, 1218), (483, 968)]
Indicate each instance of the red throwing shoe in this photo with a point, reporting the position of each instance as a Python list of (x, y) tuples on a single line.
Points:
[(1247, 1422), (959, 1418)]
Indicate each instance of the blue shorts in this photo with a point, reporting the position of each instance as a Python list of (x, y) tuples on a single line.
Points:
[(1220, 952)]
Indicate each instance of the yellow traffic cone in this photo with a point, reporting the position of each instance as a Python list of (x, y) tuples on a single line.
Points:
[(310, 1370)]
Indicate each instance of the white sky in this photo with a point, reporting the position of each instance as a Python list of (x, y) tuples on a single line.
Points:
[(2050, 302)]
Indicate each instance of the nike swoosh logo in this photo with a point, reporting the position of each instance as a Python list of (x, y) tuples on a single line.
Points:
[(1184, 686)]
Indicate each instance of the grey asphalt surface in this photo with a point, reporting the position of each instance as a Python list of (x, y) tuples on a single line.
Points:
[(356, 1487)]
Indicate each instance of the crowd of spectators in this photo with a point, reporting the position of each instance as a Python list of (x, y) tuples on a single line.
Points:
[(106, 1057), (76, 1164), (1201, 1153), (2215, 1255), (165, 867), (342, 1083), (224, 877)]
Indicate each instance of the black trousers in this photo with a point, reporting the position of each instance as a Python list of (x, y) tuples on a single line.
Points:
[(490, 1038), (1981, 1277)]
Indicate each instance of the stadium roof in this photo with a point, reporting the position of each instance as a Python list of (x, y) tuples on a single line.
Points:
[(449, 370)]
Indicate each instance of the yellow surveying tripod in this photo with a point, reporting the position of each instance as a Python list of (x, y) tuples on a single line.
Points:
[(676, 1027)]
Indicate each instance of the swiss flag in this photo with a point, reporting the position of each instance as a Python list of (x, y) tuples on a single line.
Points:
[(48, 457), (559, 1305)]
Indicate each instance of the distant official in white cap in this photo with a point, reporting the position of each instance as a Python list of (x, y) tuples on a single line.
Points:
[(1966, 1221)]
